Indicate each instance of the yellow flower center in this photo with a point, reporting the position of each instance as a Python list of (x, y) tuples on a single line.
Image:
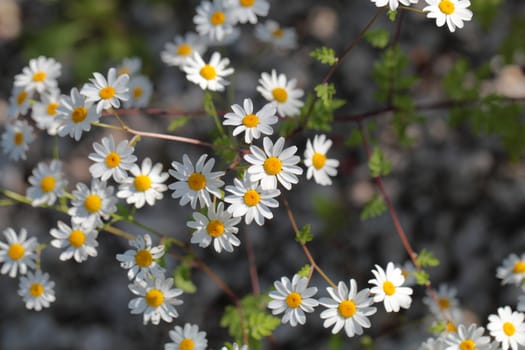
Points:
[(272, 166), (467, 344), (217, 18), (389, 288), (21, 97), (443, 303), (215, 228), (247, 3), (123, 70), (36, 290), (112, 159), (52, 108), (251, 198), (16, 251), (79, 114), (346, 308), (142, 182), (19, 138), (280, 95), (318, 160), (197, 181), (208, 72), (451, 327), (106, 93), (187, 344), (93, 203), (47, 184), (143, 258), (154, 298), (278, 33), (77, 238), (519, 267), (39, 76), (509, 329), (405, 273), (250, 121), (184, 50), (447, 7), (137, 92), (293, 300)]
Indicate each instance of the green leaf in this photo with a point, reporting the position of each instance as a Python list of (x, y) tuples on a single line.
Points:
[(377, 38), (178, 123), (182, 275), (438, 327), (426, 258), (392, 15), (355, 138), (378, 164), (324, 55), (261, 324), (305, 271), (224, 148), (304, 235), (325, 92), (367, 343), (374, 208), (422, 277)]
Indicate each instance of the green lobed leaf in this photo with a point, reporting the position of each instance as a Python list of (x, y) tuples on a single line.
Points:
[(378, 164), (392, 15), (426, 258), (374, 208), (325, 92), (304, 235), (179, 122), (438, 327), (378, 38), (422, 277), (182, 278), (305, 271), (324, 55)]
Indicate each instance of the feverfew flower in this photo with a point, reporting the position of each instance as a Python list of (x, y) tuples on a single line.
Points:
[(213, 20), (107, 93), (451, 12), (315, 159), (156, 298), (513, 270), (36, 290), (195, 183), (218, 227), (145, 185), (273, 164), (281, 91), (388, 288), (447, 303), (45, 112), (47, 183), (471, 338), (208, 75), (393, 4), (16, 139), (433, 344), (19, 102), (408, 270), (183, 47), (244, 11), (74, 115), (140, 91), (130, 66), (111, 160), (293, 298), (187, 338), (508, 328), (228, 39), (252, 124), (142, 260), (79, 242), (40, 76), (271, 32), (18, 252), (91, 205), (236, 347), (347, 309), (248, 199)]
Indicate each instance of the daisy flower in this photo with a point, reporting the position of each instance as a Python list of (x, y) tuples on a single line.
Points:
[(273, 164), (156, 298), (130, 66), (187, 338), (271, 32), (142, 260), (45, 112), (213, 19), (252, 124), (16, 139), (111, 160), (145, 185), (236, 347), (47, 183), (244, 11), (195, 183), (40, 76), (433, 344), (183, 47), (107, 93), (208, 75), (451, 12), (218, 227), (281, 91), (228, 39), (79, 242), (408, 272), (18, 252), (74, 115), (513, 270), (91, 205), (140, 91), (293, 298), (315, 159), (248, 199), (36, 290), (347, 308), (19, 102), (393, 4), (471, 338), (447, 303), (388, 288), (508, 328)]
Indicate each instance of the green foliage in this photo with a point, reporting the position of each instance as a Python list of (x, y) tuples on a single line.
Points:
[(225, 148), (513, 42), (367, 343), (287, 126), (324, 55), (209, 105), (392, 15), (182, 277), (426, 258), (374, 208), (325, 92), (304, 235), (438, 327), (335, 342), (422, 277), (179, 122), (305, 271), (378, 38), (321, 115), (378, 164)]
